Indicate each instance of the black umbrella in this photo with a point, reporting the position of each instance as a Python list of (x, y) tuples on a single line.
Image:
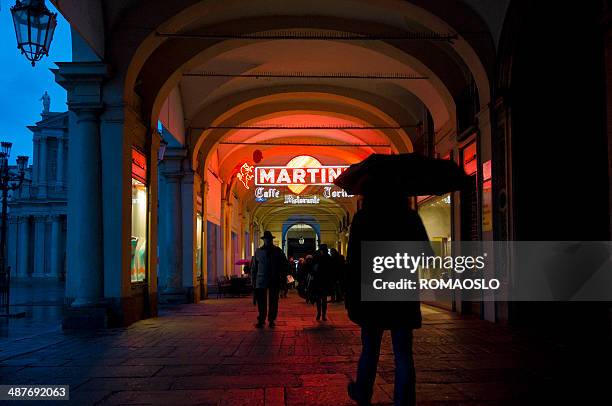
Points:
[(409, 174)]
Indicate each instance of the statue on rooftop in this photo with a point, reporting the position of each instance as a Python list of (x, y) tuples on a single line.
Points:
[(46, 99)]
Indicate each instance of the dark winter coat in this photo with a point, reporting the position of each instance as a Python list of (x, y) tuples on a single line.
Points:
[(269, 266), (381, 222), (323, 272)]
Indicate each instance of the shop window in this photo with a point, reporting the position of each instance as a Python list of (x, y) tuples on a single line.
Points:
[(435, 212), (139, 218), (470, 159), (199, 247), (436, 215)]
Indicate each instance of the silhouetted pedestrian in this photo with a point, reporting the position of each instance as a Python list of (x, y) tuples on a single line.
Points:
[(307, 275), (284, 283), (321, 284), (269, 266), (337, 266), (383, 218)]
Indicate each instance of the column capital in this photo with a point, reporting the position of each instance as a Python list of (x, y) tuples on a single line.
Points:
[(172, 177), (172, 164), (173, 153), (83, 81), (188, 177)]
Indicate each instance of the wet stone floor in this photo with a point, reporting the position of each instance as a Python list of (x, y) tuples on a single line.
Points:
[(210, 353)]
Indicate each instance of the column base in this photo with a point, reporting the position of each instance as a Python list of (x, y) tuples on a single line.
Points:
[(85, 318), (183, 296), (109, 312), (173, 298)]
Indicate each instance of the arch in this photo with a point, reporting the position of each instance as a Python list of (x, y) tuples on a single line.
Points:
[(254, 108), (182, 16), (294, 221)]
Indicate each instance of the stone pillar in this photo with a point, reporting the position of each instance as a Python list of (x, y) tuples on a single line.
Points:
[(59, 184), (35, 161), (226, 236), (188, 225), (204, 239), (12, 244), (84, 242), (42, 168), (170, 236), (153, 237), (170, 227), (84, 239), (55, 254), (40, 223), (23, 256), (120, 129)]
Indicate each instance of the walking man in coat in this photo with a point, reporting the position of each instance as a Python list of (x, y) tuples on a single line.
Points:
[(386, 218), (269, 266)]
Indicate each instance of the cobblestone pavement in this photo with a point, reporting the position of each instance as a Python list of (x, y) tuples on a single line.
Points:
[(209, 353)]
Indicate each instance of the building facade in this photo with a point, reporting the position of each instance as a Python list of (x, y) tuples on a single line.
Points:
[(37, 211)]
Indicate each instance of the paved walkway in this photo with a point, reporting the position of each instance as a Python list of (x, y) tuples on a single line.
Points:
[(210, 353)]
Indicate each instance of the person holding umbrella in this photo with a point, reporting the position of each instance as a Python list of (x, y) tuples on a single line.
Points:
[(386, 216), (269, 266)]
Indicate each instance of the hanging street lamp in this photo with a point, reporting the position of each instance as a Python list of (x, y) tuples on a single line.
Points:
[(34, 27), (9, 181), (161, 152)]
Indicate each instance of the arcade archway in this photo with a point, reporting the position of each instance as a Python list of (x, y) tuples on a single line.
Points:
[(301, 238), (221, 82)]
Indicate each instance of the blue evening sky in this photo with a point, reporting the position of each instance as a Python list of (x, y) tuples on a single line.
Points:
[(22, 85)]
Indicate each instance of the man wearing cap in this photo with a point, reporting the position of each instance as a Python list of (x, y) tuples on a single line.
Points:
[(269, 266)]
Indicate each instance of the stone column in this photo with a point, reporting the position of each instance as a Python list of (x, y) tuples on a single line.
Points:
[(42, 168), (35, 161), (188, 220), (171, 236), (23, 256), (84, 239), (153, 237), (170, 226), (59, 184), (84, 243), (12, 244), (226, 243), (204, 239), (40, 223), (56, 246)]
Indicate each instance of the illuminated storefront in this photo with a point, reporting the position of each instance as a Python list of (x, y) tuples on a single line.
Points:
[(139, 217), (436, 213), (199, 247)]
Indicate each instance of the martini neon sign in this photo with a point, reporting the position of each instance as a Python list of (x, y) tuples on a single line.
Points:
[(299, 173)]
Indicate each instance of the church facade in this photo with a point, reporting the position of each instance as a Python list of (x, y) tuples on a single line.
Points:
[(37, 211)]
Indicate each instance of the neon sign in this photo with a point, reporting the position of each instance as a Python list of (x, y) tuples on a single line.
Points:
[(300, 172), (297, 200), (139, 166), (245, 175)]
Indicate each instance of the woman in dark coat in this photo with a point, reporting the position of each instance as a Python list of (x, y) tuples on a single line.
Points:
[(383, 219)]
